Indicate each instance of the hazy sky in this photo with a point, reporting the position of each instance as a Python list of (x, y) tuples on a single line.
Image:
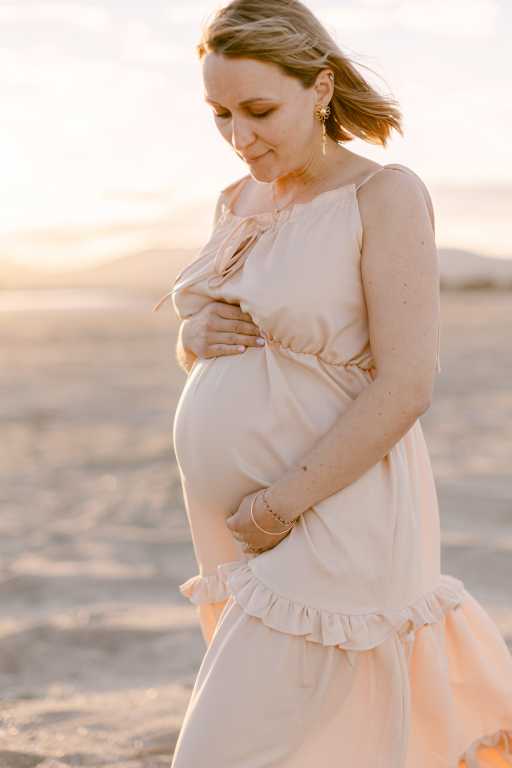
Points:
[(107, 145)]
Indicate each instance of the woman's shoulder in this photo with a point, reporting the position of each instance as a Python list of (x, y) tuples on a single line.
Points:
[(390, 174), (227, 193), (234, 184), (225, 196), (392, 185)]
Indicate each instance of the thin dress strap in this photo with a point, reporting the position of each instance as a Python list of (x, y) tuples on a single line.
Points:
[(428, 200), (397, 166)]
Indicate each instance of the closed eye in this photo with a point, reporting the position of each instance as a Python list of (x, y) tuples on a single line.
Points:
[(225, 115)]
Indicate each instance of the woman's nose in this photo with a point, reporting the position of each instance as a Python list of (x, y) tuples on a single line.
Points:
[(242, 136)]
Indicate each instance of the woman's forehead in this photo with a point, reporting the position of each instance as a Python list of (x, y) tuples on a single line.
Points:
[(217, 66), (243, 79)]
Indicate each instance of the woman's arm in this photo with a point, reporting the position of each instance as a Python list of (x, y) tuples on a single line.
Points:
[(184, 355), (399, 267)]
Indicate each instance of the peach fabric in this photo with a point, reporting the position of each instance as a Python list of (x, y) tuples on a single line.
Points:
[(344, 644)]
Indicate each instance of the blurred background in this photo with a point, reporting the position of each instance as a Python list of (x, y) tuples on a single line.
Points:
[(111, 165)]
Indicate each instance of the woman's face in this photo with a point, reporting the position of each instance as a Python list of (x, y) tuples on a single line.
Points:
[(264, 114)]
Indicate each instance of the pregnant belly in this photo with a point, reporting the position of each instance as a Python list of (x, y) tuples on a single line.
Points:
[(243, 420)]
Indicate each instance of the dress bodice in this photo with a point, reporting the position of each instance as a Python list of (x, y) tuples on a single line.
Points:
[(296, 271)]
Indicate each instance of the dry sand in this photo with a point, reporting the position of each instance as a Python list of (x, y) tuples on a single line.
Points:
[(98, 649)]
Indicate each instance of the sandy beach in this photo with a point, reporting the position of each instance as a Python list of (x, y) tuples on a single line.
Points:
[(98, 649)]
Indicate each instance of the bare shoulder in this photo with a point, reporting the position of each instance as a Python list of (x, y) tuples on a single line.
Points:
[(400, 276), (224, 197), (236, 186), (226, 191), (233, 191), (394, 191)]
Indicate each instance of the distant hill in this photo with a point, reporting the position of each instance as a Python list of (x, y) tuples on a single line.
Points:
[(148, 270), (465, 269), (153, 271)]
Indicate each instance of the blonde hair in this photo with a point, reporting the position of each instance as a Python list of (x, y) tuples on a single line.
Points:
[(286, 33)]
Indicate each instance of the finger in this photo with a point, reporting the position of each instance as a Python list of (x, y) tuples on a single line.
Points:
[(216, 350), (227, 309), (233, 326), (230, 311), (234, 338)]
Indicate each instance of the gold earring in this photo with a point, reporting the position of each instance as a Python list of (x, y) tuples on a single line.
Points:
[(323, 113)]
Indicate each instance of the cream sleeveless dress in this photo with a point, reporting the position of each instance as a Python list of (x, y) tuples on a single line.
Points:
[(344, 646)]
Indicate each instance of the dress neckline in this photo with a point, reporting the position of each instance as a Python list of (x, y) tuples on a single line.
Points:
[(271, 215), (292, 207)]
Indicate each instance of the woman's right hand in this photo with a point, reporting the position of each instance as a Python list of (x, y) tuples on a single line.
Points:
[(219, 328)]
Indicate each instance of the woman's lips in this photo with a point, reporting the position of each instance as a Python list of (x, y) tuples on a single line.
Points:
[(259, 157)]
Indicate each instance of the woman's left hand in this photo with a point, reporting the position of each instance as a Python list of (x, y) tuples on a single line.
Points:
[(245, 531)]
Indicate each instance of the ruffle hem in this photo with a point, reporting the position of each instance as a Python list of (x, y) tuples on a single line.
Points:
[(351, 632)]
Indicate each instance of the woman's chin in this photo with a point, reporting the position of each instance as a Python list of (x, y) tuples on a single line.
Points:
[(260, 168)]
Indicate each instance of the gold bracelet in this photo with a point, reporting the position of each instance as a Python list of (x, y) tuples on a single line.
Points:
[(272, 533), (274, 514)]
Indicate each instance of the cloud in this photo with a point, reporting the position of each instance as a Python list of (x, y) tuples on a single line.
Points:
[(191, 13), (139, 43), (49, 70), (457, 18), (81, 14)]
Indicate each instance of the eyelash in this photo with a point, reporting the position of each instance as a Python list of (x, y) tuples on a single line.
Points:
[(262, 114)]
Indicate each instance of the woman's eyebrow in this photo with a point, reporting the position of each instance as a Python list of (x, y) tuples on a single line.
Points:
[(244, 102)]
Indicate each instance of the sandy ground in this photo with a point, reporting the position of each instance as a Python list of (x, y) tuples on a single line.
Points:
[(98, 649)]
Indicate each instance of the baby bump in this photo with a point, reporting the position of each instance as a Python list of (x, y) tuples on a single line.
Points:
[(243, 420)]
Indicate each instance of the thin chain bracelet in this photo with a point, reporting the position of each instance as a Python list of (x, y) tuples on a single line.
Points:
[(272, 533), (274, 514)]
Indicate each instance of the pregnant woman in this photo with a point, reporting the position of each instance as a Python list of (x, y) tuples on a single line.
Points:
[(333, 638)]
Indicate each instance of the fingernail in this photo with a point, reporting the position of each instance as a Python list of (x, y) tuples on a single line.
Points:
[(260, 341), (241, 349)]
